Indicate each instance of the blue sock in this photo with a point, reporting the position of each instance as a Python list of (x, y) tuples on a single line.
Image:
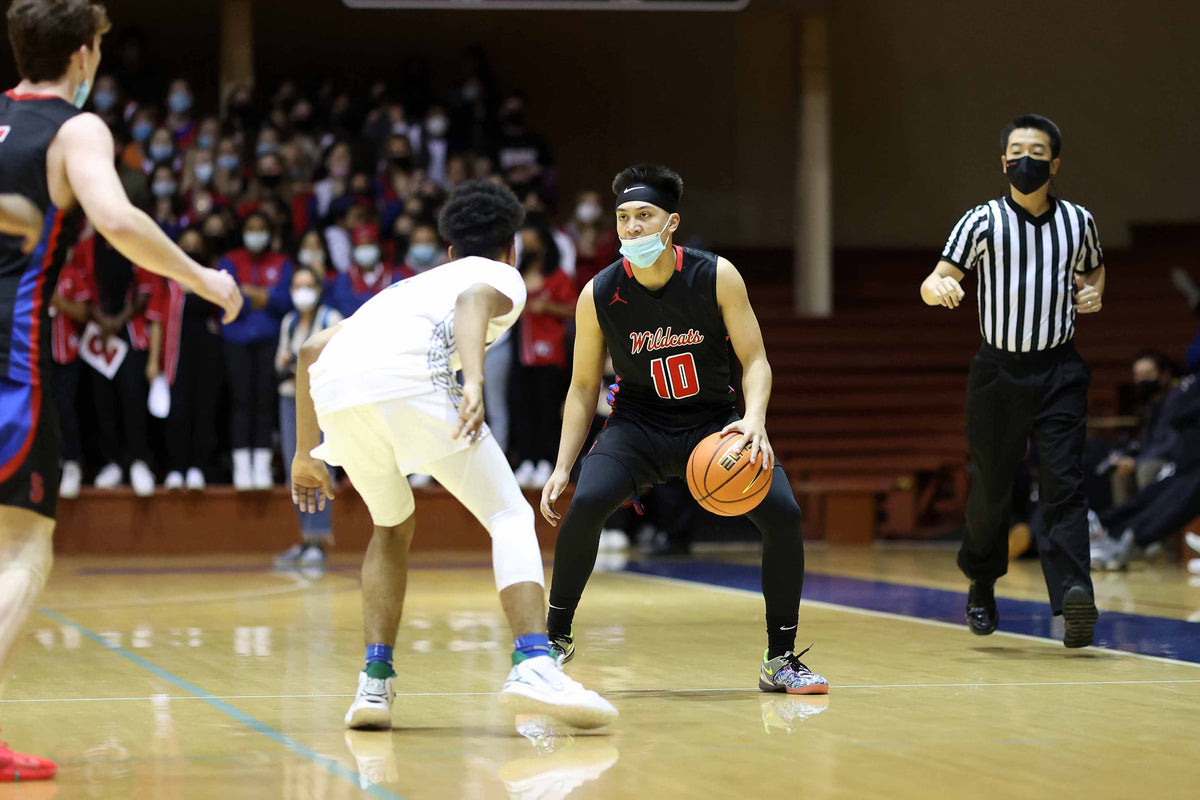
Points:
[(379, 661), (529, 646)]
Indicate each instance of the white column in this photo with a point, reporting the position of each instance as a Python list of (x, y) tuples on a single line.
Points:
[(812, 270)]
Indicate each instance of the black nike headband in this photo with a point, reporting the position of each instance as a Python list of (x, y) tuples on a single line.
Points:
[(640, 192)]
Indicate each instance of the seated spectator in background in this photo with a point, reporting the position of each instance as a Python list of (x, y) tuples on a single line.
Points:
[(308, 318), (122, 292), (367, 276), (142, 125), (337, 235), (185, 346), (425, 250), (1138, 465), (538, 212), (311, 253), (540, 374), (162, 152), (523, 157), (267, 183), (70, 310), (228, 180), (208, 133), (108, 101), (179, 114), (199, 167), (1165, 506), (333, 186), (594, 237), (437, 144), (264, 275), (169, 208)]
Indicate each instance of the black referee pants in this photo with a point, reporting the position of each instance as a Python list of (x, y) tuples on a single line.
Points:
[(1011, 398)]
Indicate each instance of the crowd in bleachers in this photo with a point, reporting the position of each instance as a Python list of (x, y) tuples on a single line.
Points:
[(315, 198)]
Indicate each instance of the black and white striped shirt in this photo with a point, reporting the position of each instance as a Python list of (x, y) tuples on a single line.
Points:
[(1026, 269)]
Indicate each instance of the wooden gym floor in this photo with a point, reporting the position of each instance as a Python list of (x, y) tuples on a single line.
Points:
[(217, 678)]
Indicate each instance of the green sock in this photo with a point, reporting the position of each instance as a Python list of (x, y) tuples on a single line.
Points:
[(380, 670)]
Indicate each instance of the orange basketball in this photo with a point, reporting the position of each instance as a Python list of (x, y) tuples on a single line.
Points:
[(723, 481)]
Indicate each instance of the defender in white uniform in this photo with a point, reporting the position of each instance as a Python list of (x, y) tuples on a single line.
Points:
[(383, 389)]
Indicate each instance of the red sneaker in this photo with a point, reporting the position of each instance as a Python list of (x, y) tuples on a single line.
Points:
[(18, 767)]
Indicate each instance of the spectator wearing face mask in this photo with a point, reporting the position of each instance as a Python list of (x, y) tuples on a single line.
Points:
[(437, 145), (141, 128), (228, 178), (334, 185), (70, 310), (1138, 465), (594, 237), (308, 318), (122, 293), (425, 249), (312, 253), (208, 134), (264, 276), (269, 183), (523, 156), (539, 377), (367, 276), (179, 114), (185, 346), (162, 152), (107, 101), (168, 208)]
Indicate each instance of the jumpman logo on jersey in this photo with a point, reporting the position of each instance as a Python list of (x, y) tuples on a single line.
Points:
[(617, 298)]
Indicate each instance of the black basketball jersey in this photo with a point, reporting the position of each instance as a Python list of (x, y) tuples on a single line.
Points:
[(28, 124), (669, 347)]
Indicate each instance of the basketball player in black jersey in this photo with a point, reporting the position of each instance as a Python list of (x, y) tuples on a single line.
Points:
[(667, 315), (61, 161)]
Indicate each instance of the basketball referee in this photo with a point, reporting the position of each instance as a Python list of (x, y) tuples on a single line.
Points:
[(1039, 263)]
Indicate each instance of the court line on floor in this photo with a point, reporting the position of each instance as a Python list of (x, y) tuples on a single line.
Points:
[(326, 763), (614, 692), (870, 612)]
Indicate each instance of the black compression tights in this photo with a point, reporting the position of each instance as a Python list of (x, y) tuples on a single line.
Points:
[(604, 484)]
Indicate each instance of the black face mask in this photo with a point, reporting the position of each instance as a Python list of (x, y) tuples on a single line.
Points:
[(403, 163), (197, 256), (1144, 390), (514, 119), (270, 181), (1027, 175)]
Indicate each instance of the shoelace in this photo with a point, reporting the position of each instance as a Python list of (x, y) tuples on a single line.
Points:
[(793, 660)]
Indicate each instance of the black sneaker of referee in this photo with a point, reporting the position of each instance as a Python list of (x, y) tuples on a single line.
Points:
[(1080, 615), (982, 616)]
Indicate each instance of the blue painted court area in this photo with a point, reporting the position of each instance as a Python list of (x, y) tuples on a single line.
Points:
[(1135, 633)]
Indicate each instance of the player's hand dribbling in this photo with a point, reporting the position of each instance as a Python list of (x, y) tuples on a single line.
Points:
[(550, 492), (220, 289), (949, 292), (470, 412), (311, 485), (754, 434)]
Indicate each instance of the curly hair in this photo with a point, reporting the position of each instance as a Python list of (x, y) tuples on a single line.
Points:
[(480, 219)]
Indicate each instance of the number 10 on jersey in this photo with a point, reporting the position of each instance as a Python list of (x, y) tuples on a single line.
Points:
[(675, 377)]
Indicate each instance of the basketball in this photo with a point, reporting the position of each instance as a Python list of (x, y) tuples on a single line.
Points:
[(723, 480)]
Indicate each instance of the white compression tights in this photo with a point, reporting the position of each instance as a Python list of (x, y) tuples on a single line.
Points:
[(26, 555), (483, 482)]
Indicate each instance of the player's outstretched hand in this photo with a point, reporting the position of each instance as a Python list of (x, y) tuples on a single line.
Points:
[(949, 292), (550, 492), (221, 289), (470, 412), (754, 434), (1087, 298), (312, 487)]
